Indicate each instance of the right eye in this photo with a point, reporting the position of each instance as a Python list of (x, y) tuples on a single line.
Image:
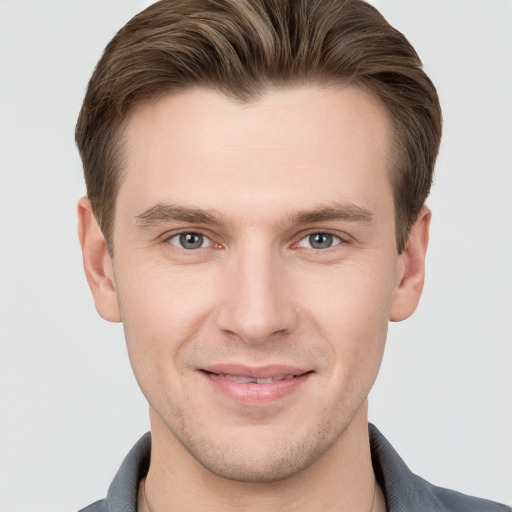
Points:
[(320, 241), (190, 241)]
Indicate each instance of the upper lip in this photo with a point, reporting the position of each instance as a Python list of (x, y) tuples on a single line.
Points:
[(258, 372)]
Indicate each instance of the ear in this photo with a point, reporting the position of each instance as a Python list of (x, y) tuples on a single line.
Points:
[(97, 263), (411, 272)]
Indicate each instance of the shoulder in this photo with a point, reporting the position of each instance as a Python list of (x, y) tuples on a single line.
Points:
[(453, 501), (123, 491), (98, 506), (406, 491)]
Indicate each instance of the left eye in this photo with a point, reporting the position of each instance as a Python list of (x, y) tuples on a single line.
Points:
[(190, 241), (319, 241)]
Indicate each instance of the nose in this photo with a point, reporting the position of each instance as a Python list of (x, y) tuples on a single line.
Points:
[(256, 303)]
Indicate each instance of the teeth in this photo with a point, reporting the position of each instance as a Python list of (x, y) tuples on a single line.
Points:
[(238, 378), (265, 380), (262, 380)]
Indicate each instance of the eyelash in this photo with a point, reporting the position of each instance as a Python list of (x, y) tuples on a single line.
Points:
[(337, 238), (308, 236), (168, 239)]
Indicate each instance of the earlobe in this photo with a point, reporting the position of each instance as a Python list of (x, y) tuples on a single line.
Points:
[(97, 263), (411, 274)]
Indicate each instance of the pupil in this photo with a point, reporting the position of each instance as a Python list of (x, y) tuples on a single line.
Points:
[(320, 240), (191, 240)]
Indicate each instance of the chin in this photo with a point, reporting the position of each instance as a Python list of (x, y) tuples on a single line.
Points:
[(263, 467), (261, 458)]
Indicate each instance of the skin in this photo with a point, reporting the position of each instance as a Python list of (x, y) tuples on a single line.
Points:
[(269, 175)]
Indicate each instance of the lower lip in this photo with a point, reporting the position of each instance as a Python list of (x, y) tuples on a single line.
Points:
[(254, 393)]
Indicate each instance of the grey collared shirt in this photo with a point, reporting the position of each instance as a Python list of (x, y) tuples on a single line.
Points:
[(404, 491)]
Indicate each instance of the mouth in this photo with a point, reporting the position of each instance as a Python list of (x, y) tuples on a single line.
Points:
[(255, 385), (257, 380)]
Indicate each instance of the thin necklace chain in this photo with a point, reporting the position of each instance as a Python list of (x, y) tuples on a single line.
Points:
[(149, 510), (145, 498), (144, 492)]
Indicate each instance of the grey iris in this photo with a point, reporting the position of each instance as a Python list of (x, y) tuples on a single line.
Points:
[(191, 240), (320, 240)]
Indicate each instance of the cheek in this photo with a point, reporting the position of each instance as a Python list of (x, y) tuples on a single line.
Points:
[(350, 309), (162, 309), (161, 295), (357, 292)]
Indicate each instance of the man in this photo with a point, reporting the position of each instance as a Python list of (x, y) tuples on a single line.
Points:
[(256, 175)]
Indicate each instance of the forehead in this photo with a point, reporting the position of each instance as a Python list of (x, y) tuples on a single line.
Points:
[(292, 145)]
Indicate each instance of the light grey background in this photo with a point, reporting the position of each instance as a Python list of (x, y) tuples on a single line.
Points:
[(69, 406)]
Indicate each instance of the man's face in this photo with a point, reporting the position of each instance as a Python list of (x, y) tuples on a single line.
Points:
[(256, 241)]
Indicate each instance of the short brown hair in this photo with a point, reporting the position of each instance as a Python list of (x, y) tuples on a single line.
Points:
[(244, 47)]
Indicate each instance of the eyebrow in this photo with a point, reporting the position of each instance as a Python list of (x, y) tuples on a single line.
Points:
[(336, 211), (162, 213)]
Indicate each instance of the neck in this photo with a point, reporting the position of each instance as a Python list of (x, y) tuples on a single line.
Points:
[(341, 479)]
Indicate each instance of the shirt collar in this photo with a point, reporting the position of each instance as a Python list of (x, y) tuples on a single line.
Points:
[(404, 491)]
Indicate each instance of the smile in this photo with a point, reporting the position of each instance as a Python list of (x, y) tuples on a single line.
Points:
[(255, 385), (257, 380)]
